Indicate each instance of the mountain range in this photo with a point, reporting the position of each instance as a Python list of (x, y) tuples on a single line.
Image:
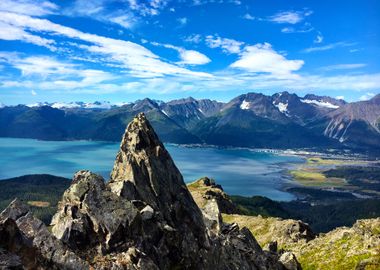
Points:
[(283, 120)]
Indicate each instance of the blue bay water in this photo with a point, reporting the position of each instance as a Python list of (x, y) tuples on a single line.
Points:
[(239, 171)]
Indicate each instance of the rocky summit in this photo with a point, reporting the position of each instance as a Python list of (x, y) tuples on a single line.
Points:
[(144, 217)]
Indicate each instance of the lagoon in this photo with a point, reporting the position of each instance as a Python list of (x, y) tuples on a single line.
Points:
[(240, 171)]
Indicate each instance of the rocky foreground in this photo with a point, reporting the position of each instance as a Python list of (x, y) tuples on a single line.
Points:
[(143, 218), (356, 247)]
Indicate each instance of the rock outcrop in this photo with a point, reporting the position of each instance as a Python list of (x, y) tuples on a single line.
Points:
[(26, 243), (357, 247), (205, 189), (271, 231), (143, 218)]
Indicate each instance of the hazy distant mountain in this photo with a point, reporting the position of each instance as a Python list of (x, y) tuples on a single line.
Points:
[(282, 120)]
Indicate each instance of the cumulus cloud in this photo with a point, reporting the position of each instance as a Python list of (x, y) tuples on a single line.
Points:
[(34, 93), (227, 45), (263, 58)]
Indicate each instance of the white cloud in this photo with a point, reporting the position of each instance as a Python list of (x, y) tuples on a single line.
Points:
[(228, 45), (29, 7), (319, 38), (147, 8), (248, 16), (97, 9), (123, 20), (34, 93), (288, 30), (366, 96), (191, 57), (343, 66), (138, 60), (194, 38), (42, 65), (182, 21), (328, 47), (262, 58), (204, 2), (188, 57), (340, 97), (305, 28), (45, 72), (290, 17), (11, 32)]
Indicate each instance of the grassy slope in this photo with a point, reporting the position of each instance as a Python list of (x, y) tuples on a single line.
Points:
[(341, 249)]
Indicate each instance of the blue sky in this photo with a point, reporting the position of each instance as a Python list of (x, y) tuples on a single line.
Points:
[(125, 50)]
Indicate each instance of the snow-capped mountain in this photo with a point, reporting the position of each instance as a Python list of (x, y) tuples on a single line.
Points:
[(249, 120), (77, 104)]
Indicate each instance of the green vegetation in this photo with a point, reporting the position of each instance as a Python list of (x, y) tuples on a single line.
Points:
[(258, 205), (340, 211), (364, 179), (340, 249), (41, 192), (322, 161), (316, 179)]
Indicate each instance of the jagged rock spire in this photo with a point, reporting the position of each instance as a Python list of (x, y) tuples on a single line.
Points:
[(144, 171)]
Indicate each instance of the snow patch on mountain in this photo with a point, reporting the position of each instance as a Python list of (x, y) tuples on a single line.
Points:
[(165, 113), (320, 103), (98, 105), (282, 107), (38, 104), (245, 105), (70, 105)]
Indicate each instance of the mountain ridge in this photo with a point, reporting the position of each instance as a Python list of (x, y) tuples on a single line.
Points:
[(283, 120)]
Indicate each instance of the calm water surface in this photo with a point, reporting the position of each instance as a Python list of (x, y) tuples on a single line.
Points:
[(239, 171)]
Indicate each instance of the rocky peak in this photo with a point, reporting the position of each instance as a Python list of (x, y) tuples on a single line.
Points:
[(144, 171)]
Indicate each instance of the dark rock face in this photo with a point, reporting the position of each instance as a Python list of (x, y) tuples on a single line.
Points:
[(143, 218), (26, 243)]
